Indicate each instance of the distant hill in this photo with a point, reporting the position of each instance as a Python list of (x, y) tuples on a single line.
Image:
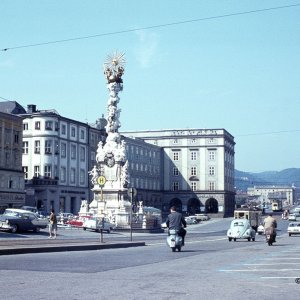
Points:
[(243, 180)]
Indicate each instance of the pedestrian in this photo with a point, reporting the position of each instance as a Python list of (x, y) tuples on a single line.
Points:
[(52, 225)]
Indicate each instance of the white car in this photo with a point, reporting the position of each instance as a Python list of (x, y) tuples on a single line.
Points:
[(261, 229), (292, 217), (97, 224), (240, 229), (191, 220), (294, 228)]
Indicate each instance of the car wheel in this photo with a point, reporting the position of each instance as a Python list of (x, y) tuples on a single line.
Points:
[(234, 239), (108, 230), (173, 249), (229, 239), (84, 228), (37, 229), (179, 248), (14, 228), (249, 239), (290, 234)]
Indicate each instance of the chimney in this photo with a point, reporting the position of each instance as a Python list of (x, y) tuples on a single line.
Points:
[(31, 108)]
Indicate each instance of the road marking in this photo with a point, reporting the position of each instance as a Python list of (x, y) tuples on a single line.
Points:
[(260, 270), (193, 242), (283, 263), (278, 277)]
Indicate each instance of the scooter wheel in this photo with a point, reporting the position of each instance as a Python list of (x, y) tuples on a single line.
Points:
[(179, 249)]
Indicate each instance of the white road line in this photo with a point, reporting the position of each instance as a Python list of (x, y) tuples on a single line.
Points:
[(281, 258), (279, 277), (283, 263), (194, 242), (260, 270)]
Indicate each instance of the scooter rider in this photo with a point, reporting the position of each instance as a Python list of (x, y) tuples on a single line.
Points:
[(175, 220), (271, 222)]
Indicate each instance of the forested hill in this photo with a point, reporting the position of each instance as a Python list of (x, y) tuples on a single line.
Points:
[(291, 176)]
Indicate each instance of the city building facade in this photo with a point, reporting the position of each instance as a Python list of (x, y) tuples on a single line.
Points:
[(197, 169), (265, 194), (12, 184)]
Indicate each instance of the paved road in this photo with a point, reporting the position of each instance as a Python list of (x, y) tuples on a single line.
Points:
[(209, 267)]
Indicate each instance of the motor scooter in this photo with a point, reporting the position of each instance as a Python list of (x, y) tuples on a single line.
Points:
[(270, 236), (174, 240)]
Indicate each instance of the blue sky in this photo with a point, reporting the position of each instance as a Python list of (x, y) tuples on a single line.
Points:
[(240, 73)]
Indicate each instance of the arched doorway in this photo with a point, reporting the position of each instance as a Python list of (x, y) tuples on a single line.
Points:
[(211, 206), (177, 203), (193, 206)]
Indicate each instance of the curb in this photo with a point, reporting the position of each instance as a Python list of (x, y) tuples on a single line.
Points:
[(22, 249)]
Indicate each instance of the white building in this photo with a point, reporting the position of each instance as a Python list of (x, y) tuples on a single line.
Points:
[(196, 169), (267, 193)]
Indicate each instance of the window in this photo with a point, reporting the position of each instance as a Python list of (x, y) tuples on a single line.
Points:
[(48, 125), (73, 151), (36, 171), (175, 141), (48, 147), (25, 171), (72, 175), (175, 186), (211, 141), (37, 147), (73, 132), (175, 155), (211, 171), (211, 155), (25, 126), (56, 126), (63, 149), (63, 174), (82, 177), (211, 186), (16, 137), (25, 148), (82, 134), (194, 185), (47, 171), (82, 153), (37, 125), (63, 129), (193, 171), (175, 171), (193, 155)]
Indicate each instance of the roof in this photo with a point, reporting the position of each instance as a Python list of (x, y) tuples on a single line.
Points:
[(12, 107)]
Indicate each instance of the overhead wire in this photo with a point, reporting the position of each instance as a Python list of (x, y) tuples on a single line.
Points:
[(153, 27)]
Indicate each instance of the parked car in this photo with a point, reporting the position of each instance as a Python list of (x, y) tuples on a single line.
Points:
[(293, 228), (21, 220), (261, 229), (97, 224), (202, 217), (64, 217), (191, 220), (77, 221), (164, 225), (292, 217), (240, 229)]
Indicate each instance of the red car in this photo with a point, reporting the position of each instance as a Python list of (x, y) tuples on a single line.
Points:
[(78, 221)]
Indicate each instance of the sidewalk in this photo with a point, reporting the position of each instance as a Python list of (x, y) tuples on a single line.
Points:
[(11, 247)]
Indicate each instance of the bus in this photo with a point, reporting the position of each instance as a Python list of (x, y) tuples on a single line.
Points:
[(252, 214), (277, 205)]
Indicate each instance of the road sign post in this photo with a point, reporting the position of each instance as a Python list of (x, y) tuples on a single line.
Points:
[(101, 181), (131, 193)]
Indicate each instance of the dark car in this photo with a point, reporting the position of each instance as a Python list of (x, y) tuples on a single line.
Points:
[(21, 220)]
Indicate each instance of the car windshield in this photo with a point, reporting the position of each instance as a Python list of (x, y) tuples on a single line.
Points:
[(11, 213), (238, 224)]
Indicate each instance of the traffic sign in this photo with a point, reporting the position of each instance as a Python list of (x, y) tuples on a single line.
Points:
[(101, 180)]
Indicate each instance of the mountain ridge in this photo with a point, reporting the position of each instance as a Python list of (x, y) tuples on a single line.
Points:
[(290, 177)]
